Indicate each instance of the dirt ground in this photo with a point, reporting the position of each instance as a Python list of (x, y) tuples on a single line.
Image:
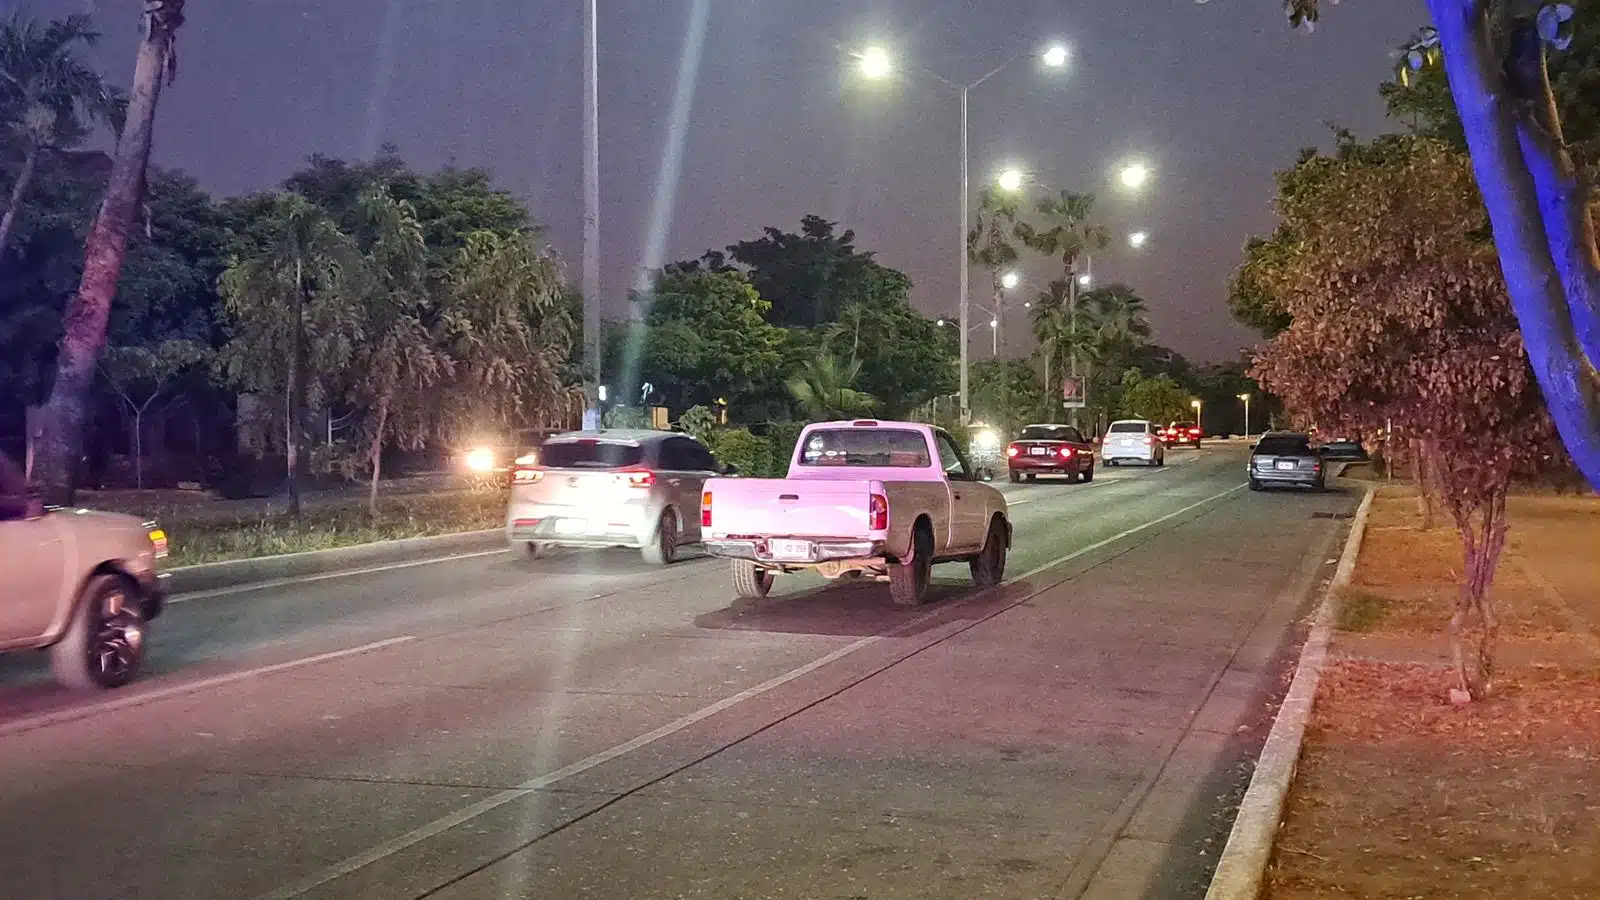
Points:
[(1400, 795)]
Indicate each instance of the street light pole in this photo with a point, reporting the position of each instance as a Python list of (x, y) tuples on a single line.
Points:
[(966, 276), (1246, 399), (591, 212)]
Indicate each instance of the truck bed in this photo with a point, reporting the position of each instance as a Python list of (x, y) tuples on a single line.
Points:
[(792, 507)]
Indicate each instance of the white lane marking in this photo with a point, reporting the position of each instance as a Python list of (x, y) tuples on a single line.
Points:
[(1131, 531), (326, 576), (466, 814), (82, 712)]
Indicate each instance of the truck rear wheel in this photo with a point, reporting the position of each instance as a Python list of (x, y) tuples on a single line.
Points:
[(104, 643), (908, 579), (989, 566), (750, 581)]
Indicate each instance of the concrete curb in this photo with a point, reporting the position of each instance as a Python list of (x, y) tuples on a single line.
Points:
[(237, 572), (1242, 868)]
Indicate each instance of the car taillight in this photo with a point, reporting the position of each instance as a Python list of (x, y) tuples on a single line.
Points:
[(526, 475), (1066, 452), (705, 510), (1194, 432), (1013, 450), (1148, 440), (878, 513), (637, 478)]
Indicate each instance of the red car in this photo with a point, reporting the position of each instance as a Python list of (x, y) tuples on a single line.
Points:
[(1050, 450), (1181, 433)]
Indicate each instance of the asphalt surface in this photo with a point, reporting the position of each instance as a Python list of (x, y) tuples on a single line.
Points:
[(587, 727)]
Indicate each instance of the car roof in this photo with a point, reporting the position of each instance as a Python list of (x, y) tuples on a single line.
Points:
[(617, 436), (1130, 421)]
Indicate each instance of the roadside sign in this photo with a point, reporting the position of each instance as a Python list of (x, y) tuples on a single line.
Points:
[(1073, 392)]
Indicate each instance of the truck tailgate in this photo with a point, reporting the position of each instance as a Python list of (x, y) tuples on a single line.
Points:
[(773, 507)]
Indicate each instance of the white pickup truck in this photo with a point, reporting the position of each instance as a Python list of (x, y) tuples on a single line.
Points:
[(885, 500)]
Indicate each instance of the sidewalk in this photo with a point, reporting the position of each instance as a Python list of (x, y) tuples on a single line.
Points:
[(1398, 794)]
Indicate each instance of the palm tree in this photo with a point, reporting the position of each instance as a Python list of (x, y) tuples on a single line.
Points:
[(823, 389), (1120, 314), (1068, 233), (989, 242), (84, 322), (49, 99), (1064, 326), (302, 263)]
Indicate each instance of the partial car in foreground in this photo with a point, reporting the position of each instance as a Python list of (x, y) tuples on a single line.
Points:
[(613, 488), (1132, 441), (863, 498), (1286, 458), (1050, 450), (82, 584)]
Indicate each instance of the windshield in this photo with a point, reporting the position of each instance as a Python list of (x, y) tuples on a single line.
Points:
[(1129, 427), (889, 447), (1047, 433), (590, 455), (1283, 446)]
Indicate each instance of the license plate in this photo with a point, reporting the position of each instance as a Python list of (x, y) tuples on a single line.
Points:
[(1036, 451), (790, 549), (572, 526), (1288, 464)]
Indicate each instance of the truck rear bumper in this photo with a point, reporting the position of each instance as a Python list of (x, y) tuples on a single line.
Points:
[(759, 550)]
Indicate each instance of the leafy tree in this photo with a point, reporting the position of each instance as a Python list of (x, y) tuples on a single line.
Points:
[(989, 242), (1006, 395), (49, 100), (1399, 314), (84, 325), (140, 375), (824, 389), (1158, 399), (810, 277), (699, 422), (904, 358), (1495, 60), (295, 275)]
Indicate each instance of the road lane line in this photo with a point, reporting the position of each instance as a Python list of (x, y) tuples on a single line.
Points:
[(466, 814), (82, 712), (326, 576)]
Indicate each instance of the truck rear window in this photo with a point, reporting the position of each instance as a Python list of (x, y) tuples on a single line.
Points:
[(886, 447), (589, 455)]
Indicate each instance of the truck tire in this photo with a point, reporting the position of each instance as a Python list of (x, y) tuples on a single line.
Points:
[(750, 581), (989, 566), (908, 579), (104, 643), (663, 547)]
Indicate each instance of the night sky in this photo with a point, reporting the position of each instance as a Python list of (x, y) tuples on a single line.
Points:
[(1214, 97)]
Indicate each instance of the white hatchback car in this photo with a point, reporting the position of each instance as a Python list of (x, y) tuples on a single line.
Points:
[(1132, 441), (83, 584)]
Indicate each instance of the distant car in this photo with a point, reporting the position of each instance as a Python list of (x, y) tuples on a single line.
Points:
[(1182, 433), (1050, 450), (612, 488), (1132, 441), (83, 584), (863, 498), (1344, 450), (1286, 458)]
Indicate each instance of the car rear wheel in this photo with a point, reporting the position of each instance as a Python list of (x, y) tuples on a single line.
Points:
[(750, 581), (989, 566), (1016, 478), (537, 550), (908, 579), (104, 644), (663, 547), (1255, 485), (1088, 474)]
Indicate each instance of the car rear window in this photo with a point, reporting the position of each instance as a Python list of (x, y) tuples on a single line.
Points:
[(1184, 426), (1048, 433), (590, 455), (1129, 427), (889, 447), (1283, 446)]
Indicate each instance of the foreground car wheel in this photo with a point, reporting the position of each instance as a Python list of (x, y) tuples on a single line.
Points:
[(989, 566), (908, 580), (104, 644), (750, 581), (663, 549), (537, 550)]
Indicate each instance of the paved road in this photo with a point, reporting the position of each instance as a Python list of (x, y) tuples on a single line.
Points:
[(585, 727)]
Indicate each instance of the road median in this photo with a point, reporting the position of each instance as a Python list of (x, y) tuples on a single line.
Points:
[(240, 572)]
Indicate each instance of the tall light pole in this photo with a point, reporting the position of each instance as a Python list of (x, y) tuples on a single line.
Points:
[(875, 63), (1197, 423), (1246, 399), (591, 212)]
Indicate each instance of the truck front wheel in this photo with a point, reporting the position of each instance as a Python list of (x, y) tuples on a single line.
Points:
[(908, 579), (104, 643), (750, 581)]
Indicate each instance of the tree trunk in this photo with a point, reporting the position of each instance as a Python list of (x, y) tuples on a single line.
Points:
[(294, 398), (18, 192), (1483, 537), (377, 454), (84, 324), (1526, 227), (1422, 463)]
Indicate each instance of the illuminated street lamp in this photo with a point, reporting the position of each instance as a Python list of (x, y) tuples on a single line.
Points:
[(1085, 280), (1246, 399), (875, 63), (1134, 176), (1196, 404), (1055, 57), (1138, 239), (1010, 180), (1010, 280)]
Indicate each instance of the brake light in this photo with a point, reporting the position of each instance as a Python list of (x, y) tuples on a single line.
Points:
[(705, 510), (525, 475), (1066, 452), (878, 513), (865, 423), (1013, 450), (637, 478)]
